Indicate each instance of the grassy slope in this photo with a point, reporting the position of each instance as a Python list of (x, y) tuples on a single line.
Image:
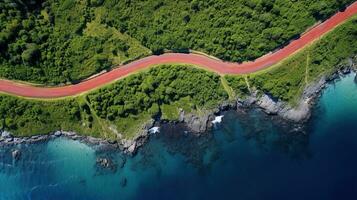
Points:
[(288, 79)]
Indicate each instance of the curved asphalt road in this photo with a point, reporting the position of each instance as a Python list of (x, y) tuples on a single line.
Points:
[(217, 66)]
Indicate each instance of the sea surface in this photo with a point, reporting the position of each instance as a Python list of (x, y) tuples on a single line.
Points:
[(247, 156)]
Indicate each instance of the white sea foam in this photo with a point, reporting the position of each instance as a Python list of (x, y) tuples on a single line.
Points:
[(154, 130), (217, 119)]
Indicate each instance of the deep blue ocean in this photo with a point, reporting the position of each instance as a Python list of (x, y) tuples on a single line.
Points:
[(248, 156)]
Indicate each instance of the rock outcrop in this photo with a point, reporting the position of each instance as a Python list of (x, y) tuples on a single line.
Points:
[(106, 163), (299, 113), (197, 123)]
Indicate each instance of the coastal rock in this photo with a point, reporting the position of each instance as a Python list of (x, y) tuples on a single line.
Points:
[(297, 114), (17, 140), (181, 115), (129, 146), (16, 154), (69, 133), (198, 124), (225, 106), (132, 148), (346, 71), (284, 110), (314, 89), (5, 134), (106, 163), (37, 138), (269, 105), (57, 133), (248, 101), (9, 140), (92, 140)]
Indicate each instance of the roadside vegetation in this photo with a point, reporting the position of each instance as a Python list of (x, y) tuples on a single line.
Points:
[(53, 42), (287, 80), (24, 117), (56, 42), (161, 91), (121, 108)]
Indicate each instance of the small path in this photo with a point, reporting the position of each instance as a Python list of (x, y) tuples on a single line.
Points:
[(218, 66), (247, 82), (307, 68), (227, 88)]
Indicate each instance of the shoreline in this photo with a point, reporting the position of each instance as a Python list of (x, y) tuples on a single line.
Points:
[(199, 125)]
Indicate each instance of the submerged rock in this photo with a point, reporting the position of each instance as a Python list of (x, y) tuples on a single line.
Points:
[(123, 182), (106, 163), (356, 79), (16, 154)]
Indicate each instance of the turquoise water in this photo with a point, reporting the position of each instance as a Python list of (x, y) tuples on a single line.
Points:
[(247, 156)]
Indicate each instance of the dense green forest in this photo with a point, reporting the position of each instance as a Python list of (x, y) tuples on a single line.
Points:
[(236, 30), (59, 41)]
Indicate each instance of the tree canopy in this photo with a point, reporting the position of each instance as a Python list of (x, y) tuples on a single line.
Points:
[(52, 41)]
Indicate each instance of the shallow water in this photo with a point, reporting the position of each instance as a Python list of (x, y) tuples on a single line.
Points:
[(247, 156)]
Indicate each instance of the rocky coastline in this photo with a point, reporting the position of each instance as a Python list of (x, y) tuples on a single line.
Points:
[(302, 111), (198, 124)]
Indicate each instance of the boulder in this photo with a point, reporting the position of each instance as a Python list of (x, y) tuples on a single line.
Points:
[(9, 140), (106, 163), (57, 133), (132, 148)]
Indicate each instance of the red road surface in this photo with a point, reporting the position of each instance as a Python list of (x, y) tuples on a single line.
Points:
[(217, 66)]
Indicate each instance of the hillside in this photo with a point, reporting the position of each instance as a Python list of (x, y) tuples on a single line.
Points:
[(53, 42)]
